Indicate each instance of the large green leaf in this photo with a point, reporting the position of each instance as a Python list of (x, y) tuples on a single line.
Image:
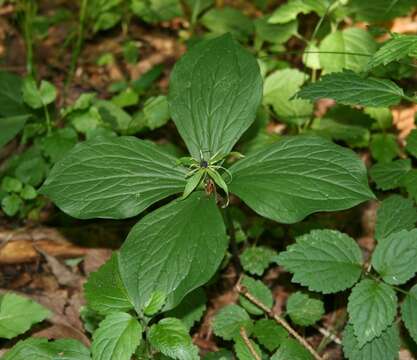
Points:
[(297, 176), (395, 257), (11, 102), (324, 260), (104, 290), (384, 347), (18, 314), (372, 307), (347, 49), (173, 250), (117, 337), (399, 47), (170, 336), (215, 91), (349, 88), (409, 312), (41, 349), (10, 127), (395, 214), (114, 177)]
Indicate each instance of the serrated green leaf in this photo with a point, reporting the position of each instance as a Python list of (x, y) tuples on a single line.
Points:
[(113, 178), (380, 10), (384, 147), (411, 141), (281, 181), (395, 214), (215, 91), (383, 347), (228, 20), (10, 127), (394, 257), (228, 321), (191, 308), (409, 312), (372, 307), (117, 337), (18, 314), (279, 88), (260, 291), (242, 351), (349, 88), (38, 348), (333, 129), (269, 333), (187, 240), (104, 290), (171, 338), (291, 349), (395, 49), (256, 259), (347, 49), (304, 310), (388, 176), (323, 260), (219, 355), (290, 10)]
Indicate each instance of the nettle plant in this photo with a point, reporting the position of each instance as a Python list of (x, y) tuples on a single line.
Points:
[(215, 92)]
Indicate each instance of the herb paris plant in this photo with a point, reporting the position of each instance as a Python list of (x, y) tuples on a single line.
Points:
[(215, 91)]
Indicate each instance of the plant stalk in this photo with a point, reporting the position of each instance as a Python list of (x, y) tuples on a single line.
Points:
[(79, 42), (242, 290), (248, 344)]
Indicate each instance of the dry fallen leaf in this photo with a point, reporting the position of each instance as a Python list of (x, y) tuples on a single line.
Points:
[(404, 120)]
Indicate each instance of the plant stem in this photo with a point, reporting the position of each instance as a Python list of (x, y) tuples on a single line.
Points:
[(248, 344), (79, 42), (233, 244), (29, 10), (48, 120), (242, 290)]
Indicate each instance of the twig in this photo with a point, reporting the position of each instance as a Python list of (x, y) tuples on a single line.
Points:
[(242, 290), (329, 335), (248, 343)]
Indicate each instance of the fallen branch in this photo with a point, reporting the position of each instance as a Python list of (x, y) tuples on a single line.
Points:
[(242, 290)]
